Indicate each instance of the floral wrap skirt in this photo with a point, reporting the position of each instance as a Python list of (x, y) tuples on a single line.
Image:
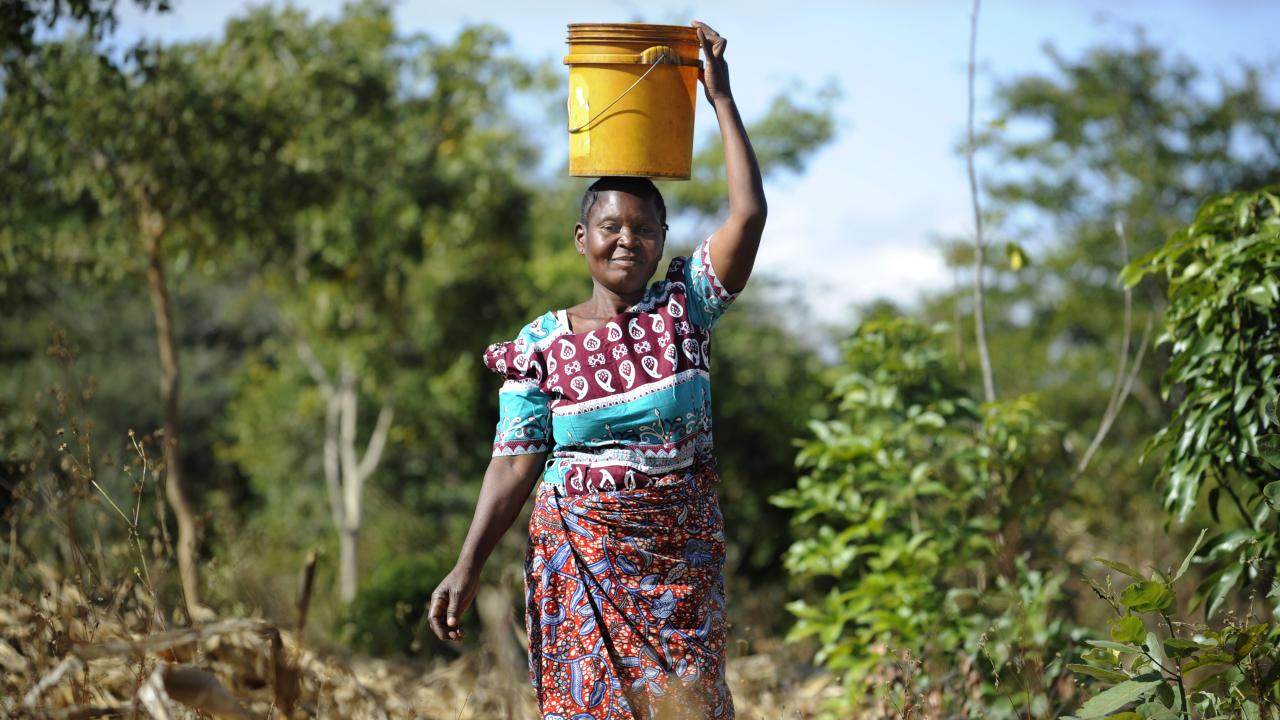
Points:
[(625, 602)]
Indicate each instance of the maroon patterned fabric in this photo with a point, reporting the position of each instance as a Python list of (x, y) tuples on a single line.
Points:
[(619, 406), (625, 598)]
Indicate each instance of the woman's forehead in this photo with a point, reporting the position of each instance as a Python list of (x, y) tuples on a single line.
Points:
[(618, 203)]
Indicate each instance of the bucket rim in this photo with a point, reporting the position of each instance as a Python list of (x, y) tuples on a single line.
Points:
[(640, 32)]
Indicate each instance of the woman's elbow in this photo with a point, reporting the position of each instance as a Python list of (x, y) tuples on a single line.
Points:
[(754, 215)]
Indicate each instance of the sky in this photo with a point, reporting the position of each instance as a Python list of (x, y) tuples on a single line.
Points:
[(862, 222)]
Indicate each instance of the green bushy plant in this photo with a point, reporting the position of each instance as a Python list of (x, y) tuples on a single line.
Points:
[(910, 519), (1223, 328), (1157, 679), (389, 613), (1242, 653)]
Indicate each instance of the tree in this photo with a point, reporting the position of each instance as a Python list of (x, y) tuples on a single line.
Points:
[(345, 472), (1126, 134), (19, 19), (1223, 329), (115, 170), (420, 231)]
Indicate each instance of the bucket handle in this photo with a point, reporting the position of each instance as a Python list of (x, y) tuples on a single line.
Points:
[(653, 57)]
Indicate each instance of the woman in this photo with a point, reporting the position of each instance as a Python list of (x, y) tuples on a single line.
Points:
[(623, 576)]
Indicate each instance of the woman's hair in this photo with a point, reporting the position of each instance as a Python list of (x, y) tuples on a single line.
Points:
[(642, 188)]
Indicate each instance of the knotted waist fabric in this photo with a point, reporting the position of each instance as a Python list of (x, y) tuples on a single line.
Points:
[(625, 601)]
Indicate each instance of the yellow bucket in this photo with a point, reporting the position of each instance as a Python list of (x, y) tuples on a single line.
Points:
[(632, 93)]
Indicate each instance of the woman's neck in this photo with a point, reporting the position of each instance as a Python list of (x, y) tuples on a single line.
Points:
[(603, 306)]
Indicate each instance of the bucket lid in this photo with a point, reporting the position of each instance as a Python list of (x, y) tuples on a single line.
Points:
[(632, 32)]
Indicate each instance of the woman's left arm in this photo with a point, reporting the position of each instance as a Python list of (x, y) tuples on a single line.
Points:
[(734, 245)]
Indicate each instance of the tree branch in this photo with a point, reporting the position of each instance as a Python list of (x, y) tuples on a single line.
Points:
[(979, 310), (378, 441), (1120, 390), (1108, 419), (314, 366)]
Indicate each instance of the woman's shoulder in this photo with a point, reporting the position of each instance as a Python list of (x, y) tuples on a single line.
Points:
[(513, 356)]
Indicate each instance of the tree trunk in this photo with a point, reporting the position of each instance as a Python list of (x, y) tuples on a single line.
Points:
[(979, 248), (348, 580), (344, 472), (170, 376), (352, 484)]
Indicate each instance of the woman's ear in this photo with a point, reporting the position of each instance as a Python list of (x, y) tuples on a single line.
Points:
[(580, 238)]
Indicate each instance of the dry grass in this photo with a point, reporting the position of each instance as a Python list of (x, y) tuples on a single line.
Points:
[(67, 657)]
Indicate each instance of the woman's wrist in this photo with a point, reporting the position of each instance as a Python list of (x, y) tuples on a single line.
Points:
[(467, 564)]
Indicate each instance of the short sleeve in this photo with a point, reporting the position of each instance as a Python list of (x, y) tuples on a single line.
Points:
[(524, 423), (524, 426), (707, 298)]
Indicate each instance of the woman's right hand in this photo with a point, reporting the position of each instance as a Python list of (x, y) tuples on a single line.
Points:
[(506, 485), (450, 600)]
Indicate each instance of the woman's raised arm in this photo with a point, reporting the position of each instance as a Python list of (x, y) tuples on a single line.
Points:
[(734, 244)]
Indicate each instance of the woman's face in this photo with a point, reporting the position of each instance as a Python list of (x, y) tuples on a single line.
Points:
[(622, 242)]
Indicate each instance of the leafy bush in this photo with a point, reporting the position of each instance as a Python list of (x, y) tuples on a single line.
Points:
[(1223, 326), (388, 614), (1158, 674), (913, 514)]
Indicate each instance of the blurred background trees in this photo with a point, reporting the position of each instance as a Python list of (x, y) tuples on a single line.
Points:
[(335, 219)]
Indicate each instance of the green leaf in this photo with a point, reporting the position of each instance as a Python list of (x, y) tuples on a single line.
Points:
[(1218, 593), (1102, 674), (1259, 295), (1103, 657), (1179, 648), (1270, 411), (1160, 577), (1164, 694), (1269, 449), (1128, 629), (1271, 493), (1127, 716), (1187, 561), (1121, 567), (1208, 659), (1118, 647), (1247, 639), (1155, 710), (1152, 646), (1018, 257), (1147, 596), (1207, 681), (1225, 545), (1115, 698), (1202, 590)]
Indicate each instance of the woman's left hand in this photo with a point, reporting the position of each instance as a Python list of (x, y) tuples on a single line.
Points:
[(715, 78)]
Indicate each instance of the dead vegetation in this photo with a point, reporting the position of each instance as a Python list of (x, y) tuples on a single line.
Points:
[(66, 656), (83, 637)]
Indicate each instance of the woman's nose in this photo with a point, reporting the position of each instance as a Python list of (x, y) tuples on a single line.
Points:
[(626, 238)]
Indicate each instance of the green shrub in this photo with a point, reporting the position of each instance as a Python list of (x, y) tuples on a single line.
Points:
[(388, 614), (1223, 327), (912, 518), (1156, 681)]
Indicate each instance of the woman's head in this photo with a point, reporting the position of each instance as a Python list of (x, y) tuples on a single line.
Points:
[(621, 230)]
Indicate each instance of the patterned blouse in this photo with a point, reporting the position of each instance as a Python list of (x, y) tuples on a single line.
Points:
[(620, 406)]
